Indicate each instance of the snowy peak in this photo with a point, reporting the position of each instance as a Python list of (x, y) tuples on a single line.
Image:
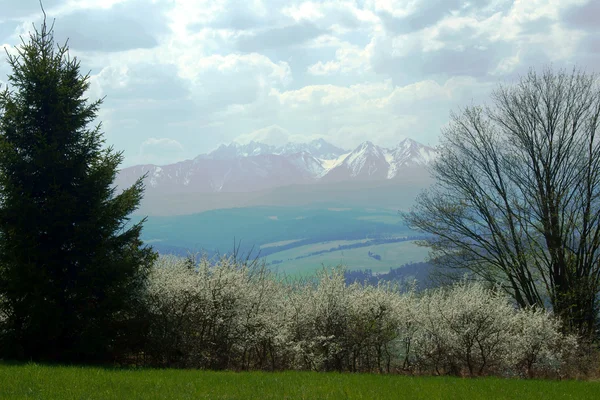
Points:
[(364, 152), (367, 161), (236, 150), (255, 166), (324, 150), (306, 162), (317, 148), (411, 153)]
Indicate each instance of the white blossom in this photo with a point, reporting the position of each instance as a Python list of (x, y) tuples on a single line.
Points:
[(231, 315)]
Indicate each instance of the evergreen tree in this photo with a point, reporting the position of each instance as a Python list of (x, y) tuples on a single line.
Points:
[(71, 267)]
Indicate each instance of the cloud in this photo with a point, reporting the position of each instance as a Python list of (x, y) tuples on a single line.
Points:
[(139, 82), (205, 85), (430, 13), (236, 15), (160, 151), (7, 29), (274, 38), (275, 135), (232, 15), (345, 14), (348, 115), (425, 13), (12, 9), (205, 73), (583, 16), (186, 99), (131, 24), (212, 79), (348, 59), (485, 40)]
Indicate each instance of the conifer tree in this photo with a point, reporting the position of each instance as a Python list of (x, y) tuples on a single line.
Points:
[(71, 266)]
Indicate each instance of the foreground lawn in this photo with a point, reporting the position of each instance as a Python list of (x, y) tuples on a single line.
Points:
[(33, 381)]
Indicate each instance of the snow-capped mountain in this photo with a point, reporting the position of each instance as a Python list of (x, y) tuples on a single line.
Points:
[(236, 150), (241, 174), (317, 148), (371, 162), (410, 153), (367, 161), (257, 166)]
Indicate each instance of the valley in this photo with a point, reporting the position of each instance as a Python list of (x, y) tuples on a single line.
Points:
[(293, 240), (302, 260), (300, 206)]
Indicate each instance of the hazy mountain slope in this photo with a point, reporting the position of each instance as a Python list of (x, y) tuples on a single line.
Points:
[(398, 193), (241, 174), (317, 148), (255, 167)]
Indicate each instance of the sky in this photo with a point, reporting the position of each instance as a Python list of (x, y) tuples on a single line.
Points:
[(183, 76)]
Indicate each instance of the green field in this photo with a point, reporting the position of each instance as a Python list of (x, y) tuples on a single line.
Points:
[(277, 244), (33, 381), (268, 227), (393, 255), (303, 250), (384, 219), (282, 233)]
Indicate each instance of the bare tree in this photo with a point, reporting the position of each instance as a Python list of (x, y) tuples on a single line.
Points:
[(517, 194)]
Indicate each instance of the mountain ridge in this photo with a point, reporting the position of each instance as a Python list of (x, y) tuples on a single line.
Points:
[(318, 148), (256, 166)]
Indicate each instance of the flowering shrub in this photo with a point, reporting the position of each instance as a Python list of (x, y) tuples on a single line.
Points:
[(374, 327), (537, 344), (234, 316), (218, 316), (319, 322)]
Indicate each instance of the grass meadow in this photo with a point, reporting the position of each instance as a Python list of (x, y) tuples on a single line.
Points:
[(393, 255), (34, 381)]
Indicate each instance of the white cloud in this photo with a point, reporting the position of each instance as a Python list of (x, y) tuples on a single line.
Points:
[(348, 115), (397, 8), (275, 135), (160, 151), (210, 71), (507, 65), (530, 10), (349, 59), (150, 145), (306, 10)]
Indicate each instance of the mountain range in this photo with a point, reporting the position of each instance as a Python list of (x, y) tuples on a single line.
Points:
[(253, 167)]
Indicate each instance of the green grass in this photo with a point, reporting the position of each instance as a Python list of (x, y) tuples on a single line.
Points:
[(33, 381), (280, 243), (384, 219), (393, 255), (309, 248), (256, 226)]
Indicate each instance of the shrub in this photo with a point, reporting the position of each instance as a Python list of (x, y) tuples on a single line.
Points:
[(373, 328), (465, 329), (235, 316), (470, 330), (537, 344), (221, 316)]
